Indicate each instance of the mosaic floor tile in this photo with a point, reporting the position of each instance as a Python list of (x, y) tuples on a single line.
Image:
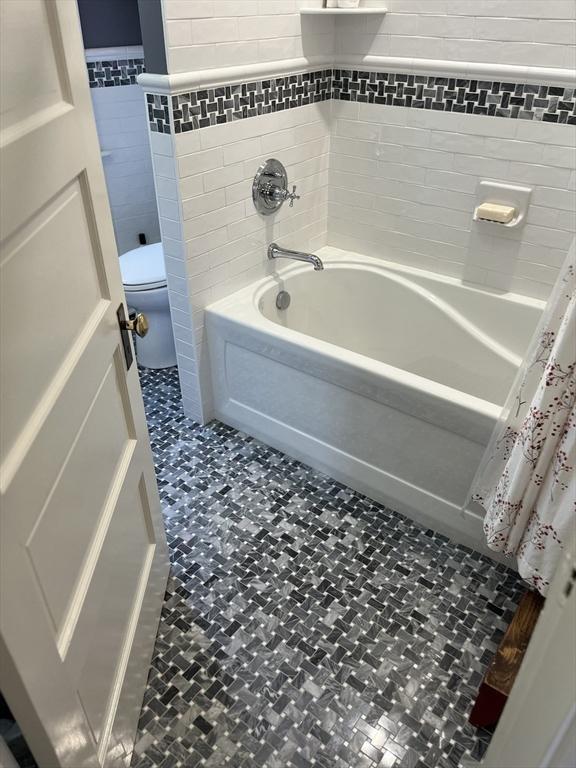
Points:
[(304, 624)]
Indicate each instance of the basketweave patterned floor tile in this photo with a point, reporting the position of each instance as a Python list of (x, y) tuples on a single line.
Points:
[(304, 624)]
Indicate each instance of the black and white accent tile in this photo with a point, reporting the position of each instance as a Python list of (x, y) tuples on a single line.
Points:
[(548, 103), (114, 72), (158, 113), (213, 106), (304, 624), (522, 101)]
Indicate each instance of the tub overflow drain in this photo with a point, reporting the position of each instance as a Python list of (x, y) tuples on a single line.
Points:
[(283, 300)]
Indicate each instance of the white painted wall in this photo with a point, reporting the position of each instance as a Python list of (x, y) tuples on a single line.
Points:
[(523, 32), (205, 34), (122, 125)]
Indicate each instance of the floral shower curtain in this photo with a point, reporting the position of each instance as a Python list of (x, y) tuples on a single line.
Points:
[(527, 479)]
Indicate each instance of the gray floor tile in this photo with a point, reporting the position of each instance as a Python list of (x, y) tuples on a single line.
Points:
[(305, 624)]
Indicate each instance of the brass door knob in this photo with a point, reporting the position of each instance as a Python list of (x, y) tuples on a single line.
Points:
[(139, 324)]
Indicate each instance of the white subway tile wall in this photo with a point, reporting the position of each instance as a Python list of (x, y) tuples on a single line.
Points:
[(122, 125), (205, 34), (521, 32), (393, 182), (215, 239), (403, 182), (169, 206)]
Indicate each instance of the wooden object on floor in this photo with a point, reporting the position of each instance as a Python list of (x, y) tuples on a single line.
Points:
[(499, 678)]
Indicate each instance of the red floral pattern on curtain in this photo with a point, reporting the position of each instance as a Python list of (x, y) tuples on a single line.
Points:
[(527, 480)]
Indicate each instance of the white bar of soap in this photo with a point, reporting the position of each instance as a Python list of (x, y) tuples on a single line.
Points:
[(502, 214)]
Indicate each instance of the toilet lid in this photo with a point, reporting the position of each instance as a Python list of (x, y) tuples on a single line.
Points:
[(144, 268)]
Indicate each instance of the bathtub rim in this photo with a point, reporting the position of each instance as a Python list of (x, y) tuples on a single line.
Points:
[(237, 320), (401, 275), (242, 308), (334, 255)]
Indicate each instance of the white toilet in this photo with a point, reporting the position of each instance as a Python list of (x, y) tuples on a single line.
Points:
[(144, 277)]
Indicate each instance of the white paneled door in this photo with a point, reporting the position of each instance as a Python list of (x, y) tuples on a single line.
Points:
[(83, 558)]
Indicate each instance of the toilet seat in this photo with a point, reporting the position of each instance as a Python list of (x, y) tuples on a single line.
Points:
[(143, 268), (144, 287), (146, 291)]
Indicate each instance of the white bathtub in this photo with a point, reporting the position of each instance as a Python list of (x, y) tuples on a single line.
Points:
[(389, 379)]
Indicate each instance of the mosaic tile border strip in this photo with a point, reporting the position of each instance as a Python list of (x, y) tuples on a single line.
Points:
[(521, 101), (158, 113), (225, 104), (114, 72)]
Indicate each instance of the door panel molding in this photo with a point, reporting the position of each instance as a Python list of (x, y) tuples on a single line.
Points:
[(83, 554), (82, 347), (78, 598)]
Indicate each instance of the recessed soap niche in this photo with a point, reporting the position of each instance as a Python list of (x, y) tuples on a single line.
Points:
[(508, 203)]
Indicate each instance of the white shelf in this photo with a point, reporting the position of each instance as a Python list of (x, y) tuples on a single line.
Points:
[(342, 11)]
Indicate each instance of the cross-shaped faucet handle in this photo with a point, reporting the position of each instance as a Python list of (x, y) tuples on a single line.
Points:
[(292, 196)]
